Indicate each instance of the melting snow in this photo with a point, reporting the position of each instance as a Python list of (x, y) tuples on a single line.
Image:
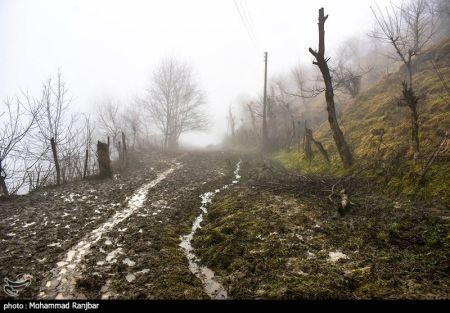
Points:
[(130, 277), (28, 224), (111, 257), (213, 288), (336, 256), (129, 262), (80, 250)]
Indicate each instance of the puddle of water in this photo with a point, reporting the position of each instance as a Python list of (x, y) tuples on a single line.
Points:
[(212, 287), (76, 254)]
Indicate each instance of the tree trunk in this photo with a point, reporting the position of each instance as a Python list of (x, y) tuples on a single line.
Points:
[(298, 136), (104, 162), (411, 100), (307, 143), (341, 144), (321, 149), (124, 152), (265, 135), (55, 159), (3, 180), (3, 186), (86, 163), (415, 133)]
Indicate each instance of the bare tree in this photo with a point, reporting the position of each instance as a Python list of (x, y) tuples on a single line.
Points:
[(231, 124), (321, 62), (89, 129), (54, 123), (109, 121), (132, 123), (408, 28), (289, 119), (17, 122), (174, 101)]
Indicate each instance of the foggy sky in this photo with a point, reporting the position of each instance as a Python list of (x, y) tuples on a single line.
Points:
[(108, 48)]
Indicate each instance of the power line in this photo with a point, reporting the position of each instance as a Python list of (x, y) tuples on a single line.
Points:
[(246, 9), (246, 17), (245, 24)]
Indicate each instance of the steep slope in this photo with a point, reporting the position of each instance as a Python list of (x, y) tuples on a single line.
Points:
[(389, 161), (375, 108)]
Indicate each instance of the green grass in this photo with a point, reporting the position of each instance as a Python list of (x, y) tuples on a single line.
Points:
[(297, 161), (375, 108)]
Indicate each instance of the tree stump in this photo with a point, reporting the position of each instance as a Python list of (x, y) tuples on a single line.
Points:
[(104, 162)]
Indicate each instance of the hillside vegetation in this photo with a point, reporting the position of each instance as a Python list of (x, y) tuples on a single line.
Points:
[(376, 108)]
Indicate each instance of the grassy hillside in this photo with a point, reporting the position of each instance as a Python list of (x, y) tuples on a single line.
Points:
[(376, 108)]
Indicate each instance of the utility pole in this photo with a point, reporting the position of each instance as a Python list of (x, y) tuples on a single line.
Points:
[(264, 126)]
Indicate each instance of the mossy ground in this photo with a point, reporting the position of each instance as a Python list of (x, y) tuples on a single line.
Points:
[(401, 178), (267, 244)]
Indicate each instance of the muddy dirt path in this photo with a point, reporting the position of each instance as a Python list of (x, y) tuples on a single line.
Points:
[(63, 281), (37, 230), (114, 238), (212, 287), (143, 258)]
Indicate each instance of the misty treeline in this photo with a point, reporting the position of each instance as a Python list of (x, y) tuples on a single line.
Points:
[(296, 104), (45, 141)]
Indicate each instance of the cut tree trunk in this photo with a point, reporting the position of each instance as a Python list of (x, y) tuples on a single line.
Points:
[(321, 62), (104, 162), (55, 159), (3, 180)]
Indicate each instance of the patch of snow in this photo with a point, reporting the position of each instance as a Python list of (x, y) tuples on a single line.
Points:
[(336, 256), (28, 224), (70, 256), (129, 262), (111, 257), (130, 277)]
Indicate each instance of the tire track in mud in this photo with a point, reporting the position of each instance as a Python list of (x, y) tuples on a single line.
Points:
[(62, 284), (212, 287)]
